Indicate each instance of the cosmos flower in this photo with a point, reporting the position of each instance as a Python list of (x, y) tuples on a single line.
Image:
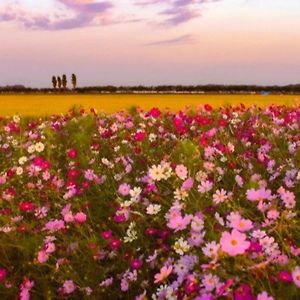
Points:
[(165, 271), (234, 243)]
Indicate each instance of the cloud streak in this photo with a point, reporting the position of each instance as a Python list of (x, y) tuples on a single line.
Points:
[(177, 12), (183, 39)]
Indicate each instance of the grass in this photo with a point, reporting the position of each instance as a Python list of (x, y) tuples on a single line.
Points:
[(55, 104)]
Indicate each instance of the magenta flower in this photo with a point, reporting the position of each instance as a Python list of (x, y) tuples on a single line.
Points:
[(285, 276), (106, 234), (243, 292), (136, 264), (3, 274)]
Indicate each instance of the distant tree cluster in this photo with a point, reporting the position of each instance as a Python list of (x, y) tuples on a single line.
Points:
[(61, 83)]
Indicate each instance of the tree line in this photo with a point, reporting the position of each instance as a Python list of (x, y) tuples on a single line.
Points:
[(62, 82)]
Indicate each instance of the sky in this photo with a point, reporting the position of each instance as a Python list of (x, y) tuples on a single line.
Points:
[(150, 42)]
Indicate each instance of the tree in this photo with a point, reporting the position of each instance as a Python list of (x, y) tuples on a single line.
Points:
[(59, 82), (74, 81), (64, 81), (54, 82)]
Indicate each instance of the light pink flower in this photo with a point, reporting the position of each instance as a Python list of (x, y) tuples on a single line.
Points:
[(234, 243), (181, 172), (296, 276), (50, 247), (69, 287), (42, 256), (179, 222), (124, 189), (205, 186), (55, 225), (68, 217), (241, 224), (264, 296), (259, 195), (163, 274)]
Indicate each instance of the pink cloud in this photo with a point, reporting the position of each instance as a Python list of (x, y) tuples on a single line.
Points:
[(83, 13), (86, 13), (177, 11)]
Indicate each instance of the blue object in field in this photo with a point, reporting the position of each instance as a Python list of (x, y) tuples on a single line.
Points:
[(264, 93)]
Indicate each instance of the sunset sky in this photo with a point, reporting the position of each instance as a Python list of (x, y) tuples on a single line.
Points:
[(151, 42)]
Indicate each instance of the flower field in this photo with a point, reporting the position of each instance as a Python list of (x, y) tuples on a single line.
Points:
[(199, 204)]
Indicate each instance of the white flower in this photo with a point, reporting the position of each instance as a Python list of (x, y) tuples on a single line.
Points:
[(39, 147), (19, 171), (156, 173), (131, 233), (16, 119), (180, 194), (31, 149), (152, 137), (181, 246), (153, 209), (135, 194)]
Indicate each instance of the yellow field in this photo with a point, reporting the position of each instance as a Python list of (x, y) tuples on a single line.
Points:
[(56, 104)]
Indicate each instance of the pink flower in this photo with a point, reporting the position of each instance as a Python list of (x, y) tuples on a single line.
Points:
[(205, 186), (55, 225), (68, 217), (241, 224), (80, 217), (179, 222), (187, 184), (234, 243), (288, 198), (181, 172), (42, 256), (259, 195), (124, 189), (296, 276), (264, 296), (163, 274), (50, 248), (69, 287)]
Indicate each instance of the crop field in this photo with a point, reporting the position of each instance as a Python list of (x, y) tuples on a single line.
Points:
[(38, 105)]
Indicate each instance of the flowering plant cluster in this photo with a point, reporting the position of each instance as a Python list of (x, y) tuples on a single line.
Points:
[(151, 205)]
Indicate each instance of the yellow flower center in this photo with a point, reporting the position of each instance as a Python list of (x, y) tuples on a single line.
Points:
[(233, 242)]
